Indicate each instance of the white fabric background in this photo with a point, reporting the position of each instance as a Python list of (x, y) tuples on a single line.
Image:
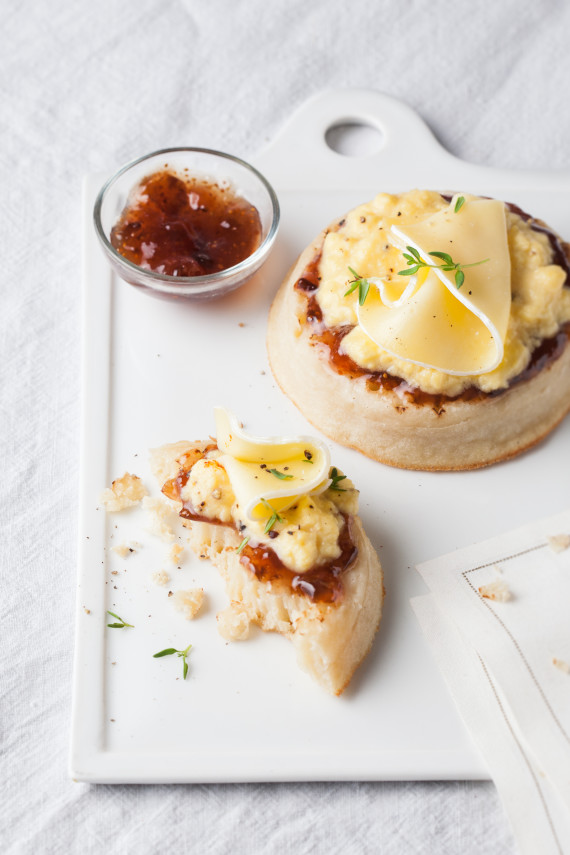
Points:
[(86, 87)]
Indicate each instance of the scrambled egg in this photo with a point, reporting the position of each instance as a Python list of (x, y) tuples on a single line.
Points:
[(540, 303), (308, 533)]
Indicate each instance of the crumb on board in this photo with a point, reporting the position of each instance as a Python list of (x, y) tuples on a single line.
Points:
[(189, 602), (123, 550), (497, 591), (160, 577), (559, 542), (561, 665), (176, 552), (233, 623), (124, 492), (159, 516), (87, 611)]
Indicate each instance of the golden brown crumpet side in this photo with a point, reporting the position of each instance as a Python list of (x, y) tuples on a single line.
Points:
[(404, 414)]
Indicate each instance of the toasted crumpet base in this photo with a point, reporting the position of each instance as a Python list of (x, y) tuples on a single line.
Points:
[(330, 639), (391, 429)]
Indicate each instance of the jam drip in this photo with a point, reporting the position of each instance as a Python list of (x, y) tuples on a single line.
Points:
[(321, 584), (173, 488), (186, 226), (329, 339)]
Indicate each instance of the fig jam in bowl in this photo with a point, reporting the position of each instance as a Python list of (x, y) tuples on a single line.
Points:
[(187, 222)]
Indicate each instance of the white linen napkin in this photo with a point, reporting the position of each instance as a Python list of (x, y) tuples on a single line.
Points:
[(498, 622)]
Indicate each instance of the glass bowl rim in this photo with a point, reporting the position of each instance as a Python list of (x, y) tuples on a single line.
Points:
[(177, 284)]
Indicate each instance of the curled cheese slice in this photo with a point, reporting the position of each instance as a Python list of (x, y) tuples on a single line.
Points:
[(431, 322), (269, 473)]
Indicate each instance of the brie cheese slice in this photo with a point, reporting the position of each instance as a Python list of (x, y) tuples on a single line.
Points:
[(428, 320), (268, 474)]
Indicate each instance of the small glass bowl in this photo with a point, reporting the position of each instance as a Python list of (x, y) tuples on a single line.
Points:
[(214, 166)]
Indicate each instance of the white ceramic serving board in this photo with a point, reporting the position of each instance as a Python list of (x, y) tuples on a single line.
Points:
[(153, 371)]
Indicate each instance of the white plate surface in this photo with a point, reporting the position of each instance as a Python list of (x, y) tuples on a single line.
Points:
[(153, 372)]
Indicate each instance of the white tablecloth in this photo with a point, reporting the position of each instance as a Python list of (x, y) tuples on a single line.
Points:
[(86, 87)]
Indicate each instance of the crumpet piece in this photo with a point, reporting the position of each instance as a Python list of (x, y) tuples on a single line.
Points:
[(125, 492), (428, 331), (281, 526)]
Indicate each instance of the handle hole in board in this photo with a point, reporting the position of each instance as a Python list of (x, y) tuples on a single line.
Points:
[(354, 138)]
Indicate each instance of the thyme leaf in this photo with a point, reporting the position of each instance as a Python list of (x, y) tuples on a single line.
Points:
[(444, 257), (335, 478), (168, 652), (459, 204), (182, 654), (275, 517), (359, 282), (242, 545), (121, 625), (282, 475)]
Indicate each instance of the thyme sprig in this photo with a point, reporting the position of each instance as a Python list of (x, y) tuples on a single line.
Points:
[(416, 262), (182, 654), (335, 478), (120, 625), (359, 282), (275, 517)]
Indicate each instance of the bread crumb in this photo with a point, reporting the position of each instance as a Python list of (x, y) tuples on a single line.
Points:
[(125, 549), (497, 590), (233, 623), (561, 665), (124, 492), (159, 516), (189, 602), (175, 552), (160, 577), (165, 462), (559, 542), (87, 611)]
